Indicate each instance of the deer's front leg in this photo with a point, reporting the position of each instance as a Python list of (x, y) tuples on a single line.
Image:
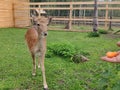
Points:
[(34, 65), (39, 61), (43, 71)]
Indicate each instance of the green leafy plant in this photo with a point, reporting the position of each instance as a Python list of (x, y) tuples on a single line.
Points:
[(93, 34), (49, 54), (103, 31), (62, 49)]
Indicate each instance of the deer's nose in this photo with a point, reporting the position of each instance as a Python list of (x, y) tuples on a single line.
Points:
[(45, 34)]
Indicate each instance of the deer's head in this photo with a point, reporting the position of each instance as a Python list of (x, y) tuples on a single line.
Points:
[(41, 25)]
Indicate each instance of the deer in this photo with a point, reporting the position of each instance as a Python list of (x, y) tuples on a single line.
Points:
[(36, 41)]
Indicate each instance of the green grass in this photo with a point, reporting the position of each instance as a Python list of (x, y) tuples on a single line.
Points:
[(16, 63)]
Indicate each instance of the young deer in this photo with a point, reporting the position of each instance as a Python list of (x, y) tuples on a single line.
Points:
[(36, 41)]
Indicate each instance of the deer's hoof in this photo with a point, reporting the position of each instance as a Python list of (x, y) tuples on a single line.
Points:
[(38, 66), (45, 88), (33, 74)]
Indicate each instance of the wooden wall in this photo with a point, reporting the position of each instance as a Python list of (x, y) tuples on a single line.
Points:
[(6, 18), (7, 12), (21, 15)]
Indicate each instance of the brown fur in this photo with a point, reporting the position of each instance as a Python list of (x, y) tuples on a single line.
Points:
[(31, 38)]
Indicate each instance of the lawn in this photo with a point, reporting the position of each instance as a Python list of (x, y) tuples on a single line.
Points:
[(61, 73)]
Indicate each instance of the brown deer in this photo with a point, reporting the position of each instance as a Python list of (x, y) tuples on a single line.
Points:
[(36, 41)]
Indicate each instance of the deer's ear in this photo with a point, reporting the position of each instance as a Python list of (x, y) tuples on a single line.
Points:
[(49, 20), (34, 20)]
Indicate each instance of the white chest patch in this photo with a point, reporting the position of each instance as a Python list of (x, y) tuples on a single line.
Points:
[(39, 48)]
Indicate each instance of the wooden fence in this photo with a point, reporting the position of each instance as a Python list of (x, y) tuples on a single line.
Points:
[(21, 16)]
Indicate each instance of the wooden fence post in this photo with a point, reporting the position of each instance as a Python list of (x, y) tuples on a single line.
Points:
[(70, 16), (106, 16), (39, 11), (95, 19)]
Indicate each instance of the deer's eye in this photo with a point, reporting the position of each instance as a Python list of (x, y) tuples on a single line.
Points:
[(38, 24)]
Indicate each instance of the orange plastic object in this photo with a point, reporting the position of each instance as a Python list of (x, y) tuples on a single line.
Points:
[(111, 54)]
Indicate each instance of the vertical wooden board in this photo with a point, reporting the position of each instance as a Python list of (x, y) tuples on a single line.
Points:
[(24, 14), (6, 13)]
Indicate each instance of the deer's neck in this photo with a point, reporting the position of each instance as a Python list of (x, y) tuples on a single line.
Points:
[(35, 27), (40, 37)]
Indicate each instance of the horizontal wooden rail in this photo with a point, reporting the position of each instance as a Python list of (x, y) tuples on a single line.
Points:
[(84, 19), (67, 3), (67, 8)]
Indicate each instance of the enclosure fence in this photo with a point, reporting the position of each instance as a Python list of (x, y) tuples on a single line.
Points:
[(68, 13)]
